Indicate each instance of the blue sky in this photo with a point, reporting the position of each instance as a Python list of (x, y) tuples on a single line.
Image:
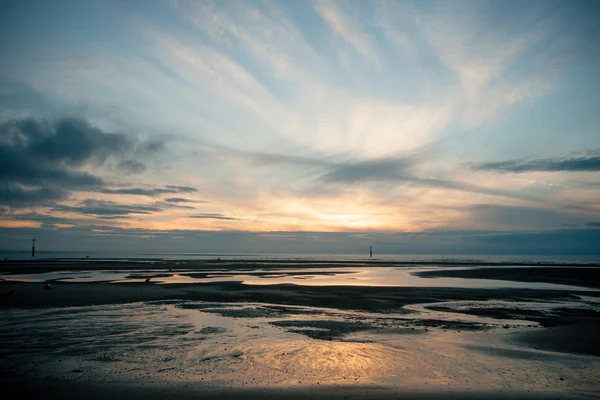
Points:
[(449, 118)]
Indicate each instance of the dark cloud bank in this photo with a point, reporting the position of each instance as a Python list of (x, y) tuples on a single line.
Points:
[(41, 161)]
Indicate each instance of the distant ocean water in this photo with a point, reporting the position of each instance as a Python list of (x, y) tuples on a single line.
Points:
[(41, 254)]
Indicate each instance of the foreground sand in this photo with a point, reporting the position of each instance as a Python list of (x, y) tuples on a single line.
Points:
[(429, 358), (70, 390)]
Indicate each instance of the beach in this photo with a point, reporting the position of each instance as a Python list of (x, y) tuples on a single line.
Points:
[(238, 329)]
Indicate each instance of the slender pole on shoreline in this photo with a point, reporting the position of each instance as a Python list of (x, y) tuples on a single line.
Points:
[(32, 247)]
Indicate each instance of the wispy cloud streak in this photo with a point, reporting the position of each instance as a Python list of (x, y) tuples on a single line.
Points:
[(587, 163)]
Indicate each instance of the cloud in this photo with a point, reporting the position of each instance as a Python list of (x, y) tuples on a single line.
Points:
[(399, 170), (16, 97), (501, 55), (346, 29), (278, 158), (505, 95), (502, 216), (182, 189), (211, 71), (16, 196), (136, 191), (589, 162), (479, 42), (41, 160), (151, 146), (168, 189), (107, 208), (111, 209), (213, 216), (281, 47), (46, 221), (171, 205), (374, 170), (131, 166), (293, 77), (178, 200), (71, 141)]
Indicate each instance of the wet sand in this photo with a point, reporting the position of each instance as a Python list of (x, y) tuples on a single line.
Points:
[(510, 347), (576, 330)]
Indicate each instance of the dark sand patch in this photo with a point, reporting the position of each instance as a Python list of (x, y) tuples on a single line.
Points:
[(324, 330), (211, 330), (147, 274), (546, 318), (378, 299), (247, 311), (523, 354), (336, 330), (447, 325), (575, 276), (574, 335)]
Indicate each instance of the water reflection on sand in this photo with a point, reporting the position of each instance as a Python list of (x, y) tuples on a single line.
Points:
[(266, 345), (331, 276)]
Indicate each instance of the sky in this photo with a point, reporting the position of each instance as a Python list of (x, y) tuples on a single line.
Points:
[(437, 127)]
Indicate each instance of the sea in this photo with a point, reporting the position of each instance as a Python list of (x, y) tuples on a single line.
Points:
[(412, 258)]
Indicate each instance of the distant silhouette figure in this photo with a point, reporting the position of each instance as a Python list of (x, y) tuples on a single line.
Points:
[(370, 251), (32, 247), (148, 279)]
